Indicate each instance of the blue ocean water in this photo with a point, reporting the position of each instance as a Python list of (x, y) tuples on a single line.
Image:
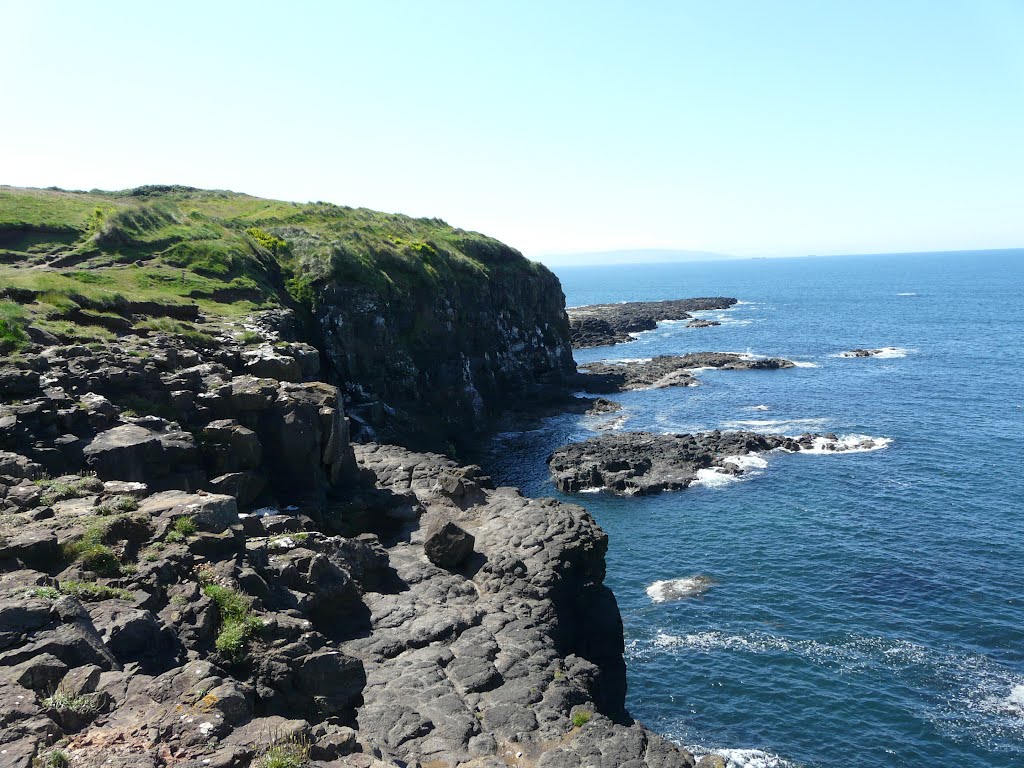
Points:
[(866, 608)]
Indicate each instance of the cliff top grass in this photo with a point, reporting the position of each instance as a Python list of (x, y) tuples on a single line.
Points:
[(81, 264)]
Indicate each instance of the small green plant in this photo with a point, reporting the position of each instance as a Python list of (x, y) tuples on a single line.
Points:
[(290, 753), (91, 592), (86, 704), (580, 719), (118, 505), (238, 625), (44, 593), (181, 529), (58, 758), (92, 553), (61, 489), (249, 337)]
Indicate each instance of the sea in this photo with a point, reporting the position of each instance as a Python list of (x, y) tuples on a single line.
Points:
[(831, 609)]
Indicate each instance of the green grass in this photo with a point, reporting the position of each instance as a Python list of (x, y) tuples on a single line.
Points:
[(87, 704), (238, 625), (60, 489), (91, 551), (57, 758), (181, 529), (290, 753), (229, 253), (45, 593), (580, 719), (12, 327), (91, 592), (117, 505)]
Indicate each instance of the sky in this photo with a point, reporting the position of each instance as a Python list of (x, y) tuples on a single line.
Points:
[(748, 128)]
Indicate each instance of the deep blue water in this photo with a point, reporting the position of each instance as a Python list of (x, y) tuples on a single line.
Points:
[(868, 608)]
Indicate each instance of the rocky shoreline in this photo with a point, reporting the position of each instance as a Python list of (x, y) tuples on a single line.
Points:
[(235, 577), (643, 463), (598, 325), (668, 370)]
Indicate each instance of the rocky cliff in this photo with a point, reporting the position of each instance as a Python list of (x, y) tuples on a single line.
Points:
[(198, 567), (429, 330)]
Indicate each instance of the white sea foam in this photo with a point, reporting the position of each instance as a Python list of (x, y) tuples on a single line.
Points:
[(714, 477), (906, 293), (677, 589), (757, 408), (804, 363), (1015, 701), (847, 444), (612, 425), (743, 758), (747, 461), (776, 426), (884, 353)]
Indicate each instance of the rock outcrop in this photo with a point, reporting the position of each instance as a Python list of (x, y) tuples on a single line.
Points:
[(432, 368), (640, 463), (668, 370), (233, 579), (598, 325)]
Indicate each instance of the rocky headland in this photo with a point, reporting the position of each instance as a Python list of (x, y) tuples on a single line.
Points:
[(668, 370), (642, 463), (200, 565), (598, 325)]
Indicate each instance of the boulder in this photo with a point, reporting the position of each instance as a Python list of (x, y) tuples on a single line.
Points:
[(447, 545)]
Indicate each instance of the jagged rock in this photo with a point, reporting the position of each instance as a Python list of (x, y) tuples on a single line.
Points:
[(212, 512), (41, 673), (637, 463), (80, 680), (669, 370), (35, 546), (265, 362), (130, 633), (230, 447), (447, 545), (15, 382), (599, 324), (135, 453)]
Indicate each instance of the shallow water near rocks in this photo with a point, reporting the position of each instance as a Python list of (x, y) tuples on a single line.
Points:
[(868, 606)]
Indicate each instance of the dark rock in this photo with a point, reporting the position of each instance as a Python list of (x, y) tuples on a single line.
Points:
[(638, 463), (447, 545), (41, 673), (597, 325), (669, 370)]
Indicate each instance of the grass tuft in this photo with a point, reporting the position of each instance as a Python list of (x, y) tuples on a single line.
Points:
[(290, 753), (181, 529), (238, 625)]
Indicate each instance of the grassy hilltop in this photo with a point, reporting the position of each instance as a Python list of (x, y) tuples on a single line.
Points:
[(89, 266)]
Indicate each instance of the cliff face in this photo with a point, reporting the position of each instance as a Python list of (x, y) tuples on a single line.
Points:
[(427, 328), (430, 369), (199, 567)]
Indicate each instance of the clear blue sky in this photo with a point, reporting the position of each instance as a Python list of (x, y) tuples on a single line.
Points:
[(753, 128)]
